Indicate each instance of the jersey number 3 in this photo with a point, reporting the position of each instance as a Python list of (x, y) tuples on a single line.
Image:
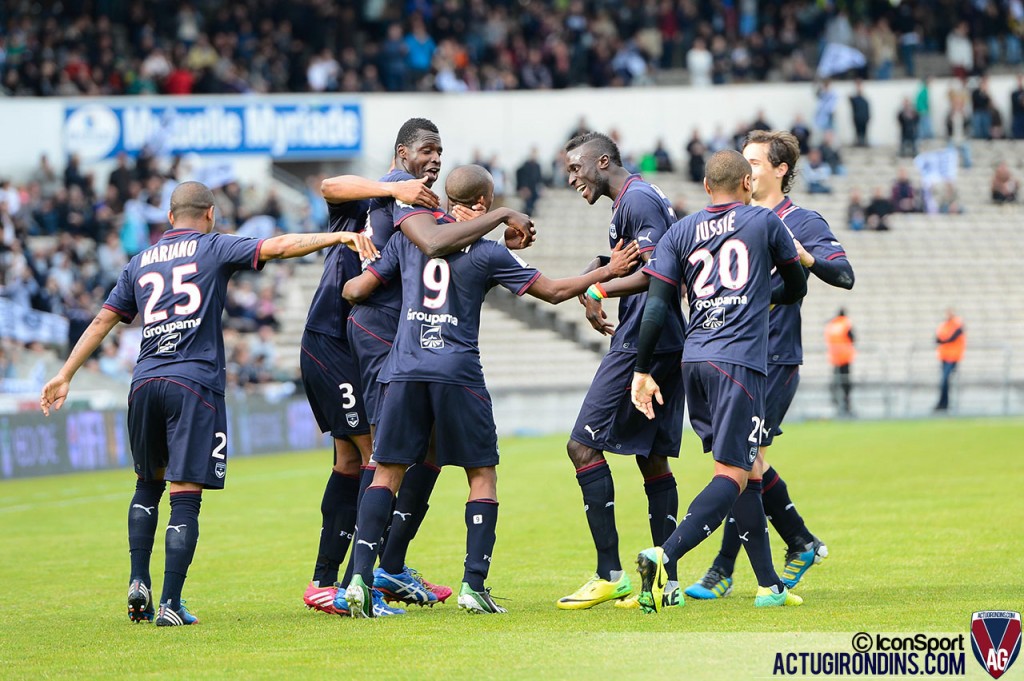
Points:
[(156, 283)]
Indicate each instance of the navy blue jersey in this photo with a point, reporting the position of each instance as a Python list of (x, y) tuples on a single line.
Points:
[(180, 285), (439, 326), (329, 311), (811, 230), (641, 213), (724, 256), (380, 227)]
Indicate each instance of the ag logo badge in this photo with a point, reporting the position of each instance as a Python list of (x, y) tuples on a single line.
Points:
[(995, 639)]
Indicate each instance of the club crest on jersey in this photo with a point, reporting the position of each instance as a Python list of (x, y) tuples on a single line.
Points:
[(430, 337), (220, 469), (352, 419), (714, 318), (613, 232), (995, 639), (168, 343)]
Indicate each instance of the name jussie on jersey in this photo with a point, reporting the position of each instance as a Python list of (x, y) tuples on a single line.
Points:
[(707, 229), (172, 251)]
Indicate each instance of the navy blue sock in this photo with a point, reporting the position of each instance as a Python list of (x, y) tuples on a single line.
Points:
[(410, 509), (481, 521), (752, 527), (366, 474), (180, 544), (338, 512), (706, 512), (599, 503), (725, 561), (662, 507), (374, 513), (782, 512), (142, 521)]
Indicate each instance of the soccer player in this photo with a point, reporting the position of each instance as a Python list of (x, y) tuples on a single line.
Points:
[(607, 420), (372, 328), (331, 379), (434, 380), (721, 257), (773, 160), (176, 411)]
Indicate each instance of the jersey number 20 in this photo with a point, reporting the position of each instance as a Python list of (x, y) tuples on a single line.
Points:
[(733, 267)]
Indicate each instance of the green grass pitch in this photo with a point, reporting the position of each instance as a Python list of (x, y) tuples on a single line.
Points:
[(924, 521)]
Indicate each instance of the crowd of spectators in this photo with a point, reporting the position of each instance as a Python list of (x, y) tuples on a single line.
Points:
[(63, 245), (206, 46)]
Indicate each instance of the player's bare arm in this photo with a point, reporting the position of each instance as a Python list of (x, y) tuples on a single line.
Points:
[(56, 390), (358, 289), (554, 291), (514, 239), (298, 245), (422, 230), (617, 288), (346, 188)]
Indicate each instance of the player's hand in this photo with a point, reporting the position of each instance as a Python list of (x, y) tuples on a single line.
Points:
[(360, 244), (643, 392), (597, 317), (806, 259), (522, 225), (54, 393), (416, 193), (465, 214), (624, 258)]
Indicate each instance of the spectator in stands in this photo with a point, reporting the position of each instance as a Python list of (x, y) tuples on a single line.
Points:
[(1004, 185), (825, 110), (949, 203), (817, 173), (1017, 109), (878, 210), (662, 160), (981, 111), (699, 63), (904, 197), (908, 119), (802, 134), (841, 352), (957, 123), (861, 110), (883, 49), (960, 51), (45, 177), (420, 48), (830, 153), (856, 217), (697, 152), (529, 180), (922, 104), (950, 341)]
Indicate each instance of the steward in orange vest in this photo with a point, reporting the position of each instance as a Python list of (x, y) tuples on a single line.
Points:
[(951, 339), (839, 338)]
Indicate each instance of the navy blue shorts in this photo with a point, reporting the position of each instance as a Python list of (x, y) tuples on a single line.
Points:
[(333, 386), (460, 416), (180, 425), (609, 422), (783, 380), (371, 333), (726, 404)]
